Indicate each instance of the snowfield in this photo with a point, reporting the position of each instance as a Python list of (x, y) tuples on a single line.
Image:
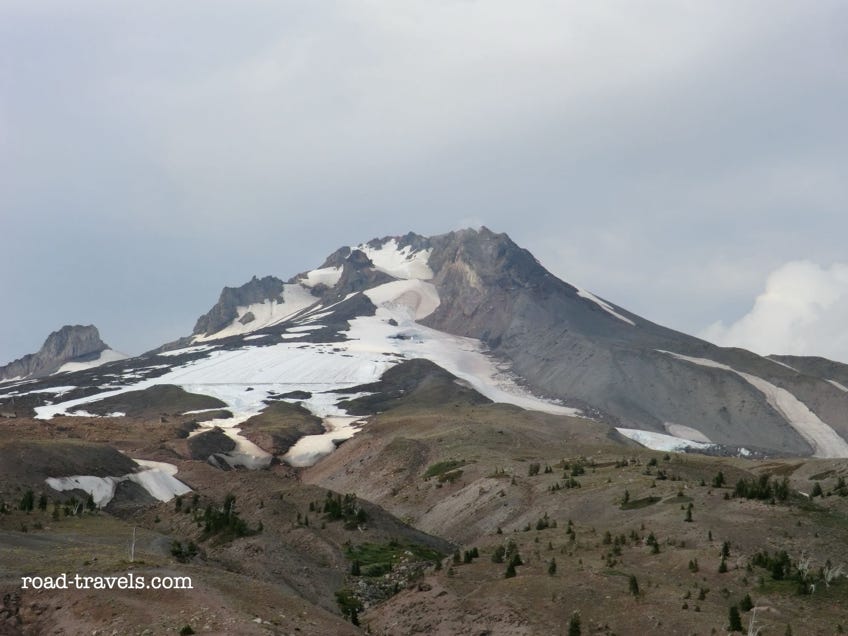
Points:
[(244, 378), (825, 441)]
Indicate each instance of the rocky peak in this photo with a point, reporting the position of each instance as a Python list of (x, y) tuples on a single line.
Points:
[(71, 343), (256, 290)]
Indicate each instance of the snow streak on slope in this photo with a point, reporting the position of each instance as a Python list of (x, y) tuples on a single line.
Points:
[(604, 305), (399, 262), (841, 387), (825, 441), (107, 355)]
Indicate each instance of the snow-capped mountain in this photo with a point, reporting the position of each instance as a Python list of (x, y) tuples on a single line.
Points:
[(71, 348), (487, 312)]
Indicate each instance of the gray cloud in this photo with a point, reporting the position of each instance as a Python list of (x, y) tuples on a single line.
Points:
[(802, 311), (666, 155)]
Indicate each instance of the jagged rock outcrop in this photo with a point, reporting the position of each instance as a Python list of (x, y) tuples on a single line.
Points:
[(256, 290), (71, 343)]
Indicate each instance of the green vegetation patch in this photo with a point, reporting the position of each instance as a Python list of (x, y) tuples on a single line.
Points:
[(678, 499), (375, 559), (440, 468), (644, 502)]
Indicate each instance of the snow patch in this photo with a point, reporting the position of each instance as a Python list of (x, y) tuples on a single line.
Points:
[(157, 479), (604, 305), (328, 276), (310, 448), (686, 432), (107, 355), (413, 298), (270, 312), (399, 262), (661, 441), (58, 390)]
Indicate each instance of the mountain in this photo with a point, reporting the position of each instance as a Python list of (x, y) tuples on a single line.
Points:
[(71, 348), (557, 340), (485, 310)]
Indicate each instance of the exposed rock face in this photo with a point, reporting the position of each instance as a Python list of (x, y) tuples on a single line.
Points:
[(257, 290), (209, 443), (72, 343), (565, 345)]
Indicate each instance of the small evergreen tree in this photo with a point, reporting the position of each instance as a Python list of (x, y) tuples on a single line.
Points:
[(552, 567), (746, 604), (817, 490), (510, 571), (735, 619), (633, 585), (27, 501), (574, 624), (498, 554)]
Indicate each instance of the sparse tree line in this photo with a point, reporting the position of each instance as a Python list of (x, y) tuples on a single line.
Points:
[(28, 503)]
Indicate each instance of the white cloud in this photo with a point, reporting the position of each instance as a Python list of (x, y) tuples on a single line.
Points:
[(802, 311)]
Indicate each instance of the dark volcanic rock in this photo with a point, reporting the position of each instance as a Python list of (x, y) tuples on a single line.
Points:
[(34, 461), (279, 426), (208, 443), (155, 400), (416, 383), (72, 343)]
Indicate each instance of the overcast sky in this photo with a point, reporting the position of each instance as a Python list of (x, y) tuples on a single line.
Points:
[(685, 160)]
